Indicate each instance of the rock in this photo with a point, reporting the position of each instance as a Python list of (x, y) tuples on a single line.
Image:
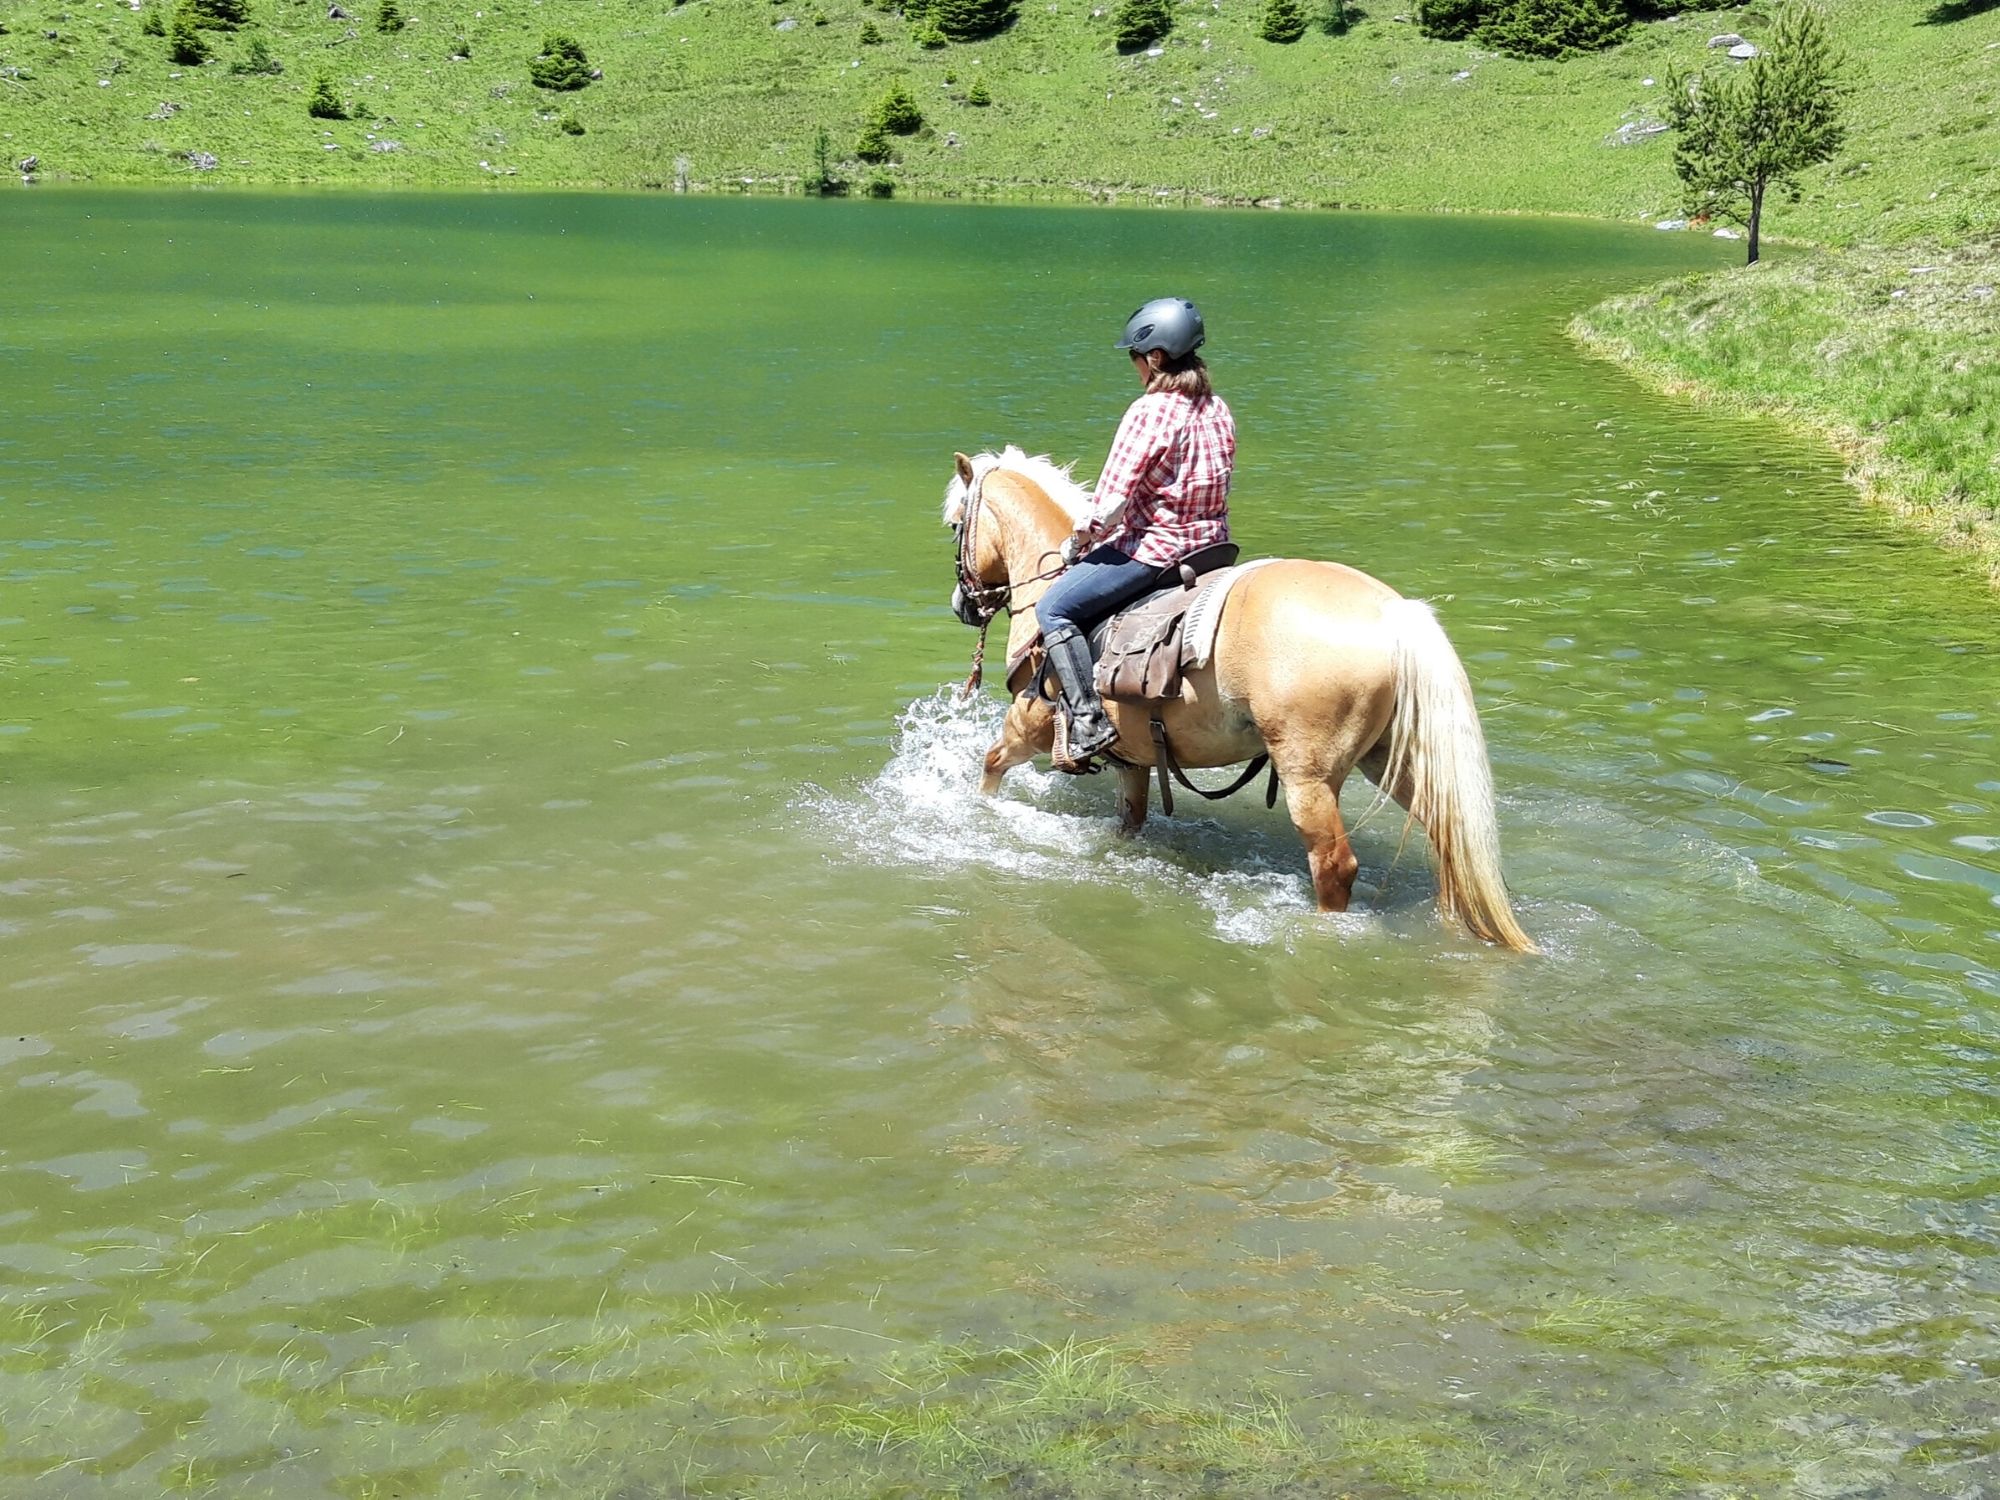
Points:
[(1634, 131), (1727, 39), (1727, 234), (788, 24), (166, 111), (387, 146), (335, 13), (202, 161), (597, 72), (1671, 224), (1461, 75), (1260, 132), (1645, 83), (30, 165), (951, 138), (1743, 51), (1156, 52), (1981, 293)]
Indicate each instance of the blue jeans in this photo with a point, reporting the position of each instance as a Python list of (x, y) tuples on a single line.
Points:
[(1097, 585)]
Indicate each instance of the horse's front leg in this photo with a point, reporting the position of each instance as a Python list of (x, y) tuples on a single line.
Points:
[(1135, 785), (1028, 730)]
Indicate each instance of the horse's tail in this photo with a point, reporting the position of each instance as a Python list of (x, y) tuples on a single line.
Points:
[(1437, 760)]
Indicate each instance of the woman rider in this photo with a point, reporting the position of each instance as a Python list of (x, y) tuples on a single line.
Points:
[(1164, 493)]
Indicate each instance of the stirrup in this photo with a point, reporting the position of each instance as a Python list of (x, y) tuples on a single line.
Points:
[(1061, 759)]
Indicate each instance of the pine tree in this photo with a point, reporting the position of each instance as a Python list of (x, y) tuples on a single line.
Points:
[(1139, 23), (871, 34), (977, 94), (1284, 21), (969, 20), (560, 65), (873, 143), (220, 15), (1451, 20), (1738, 137), (897, 112), (389, 17), (1555, 28), (323, 103), (184, 41)]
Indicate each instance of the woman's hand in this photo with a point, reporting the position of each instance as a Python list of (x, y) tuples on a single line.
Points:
[(1074, 546)]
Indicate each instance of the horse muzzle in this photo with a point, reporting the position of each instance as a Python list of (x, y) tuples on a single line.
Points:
[(964, 608)]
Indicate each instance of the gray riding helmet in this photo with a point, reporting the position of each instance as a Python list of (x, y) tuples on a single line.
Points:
[(1171, 324)]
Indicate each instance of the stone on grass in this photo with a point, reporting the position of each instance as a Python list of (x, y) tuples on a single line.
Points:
[(1743, 51), (202, 161), (1671, 224), (387, 146), (1634, 131), (1727, 39)]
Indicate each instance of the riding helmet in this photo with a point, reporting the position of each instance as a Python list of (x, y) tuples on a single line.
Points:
[(1170, 324)]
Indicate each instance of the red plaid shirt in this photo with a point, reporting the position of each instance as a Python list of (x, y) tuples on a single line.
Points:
[(1165, 488)]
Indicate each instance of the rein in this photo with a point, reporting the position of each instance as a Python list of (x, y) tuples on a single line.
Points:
[(986, 601)]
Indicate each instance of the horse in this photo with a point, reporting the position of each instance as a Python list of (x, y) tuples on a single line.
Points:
[(1316, 664)]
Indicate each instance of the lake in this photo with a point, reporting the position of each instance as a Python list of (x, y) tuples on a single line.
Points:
[(508, 989)]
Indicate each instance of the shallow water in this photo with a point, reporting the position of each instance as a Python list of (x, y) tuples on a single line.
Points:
[(508, 988)]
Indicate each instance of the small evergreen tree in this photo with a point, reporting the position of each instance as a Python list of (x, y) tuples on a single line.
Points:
[(257, 58), (323, 103), (821, 179), (389, 17), (184, 40), (560, 64), (928, 36), (873, 144), (1139, 23), (570, 125), (1451, 20), (220, 15), (150, 24), (1283, 21), (898, 113), (977, 94), (1555, 28), (969, 20), (1737, 137), (871, 34)]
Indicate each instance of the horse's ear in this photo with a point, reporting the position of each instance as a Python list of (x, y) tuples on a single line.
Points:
[(964, 466)]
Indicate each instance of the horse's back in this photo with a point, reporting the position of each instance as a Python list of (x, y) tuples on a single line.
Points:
[(1305, 641)]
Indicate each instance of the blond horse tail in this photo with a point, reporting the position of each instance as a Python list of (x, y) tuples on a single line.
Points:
[(1437, 762)]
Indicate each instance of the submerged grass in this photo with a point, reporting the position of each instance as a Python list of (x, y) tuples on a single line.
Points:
[(1892, 355), (701, 1398)]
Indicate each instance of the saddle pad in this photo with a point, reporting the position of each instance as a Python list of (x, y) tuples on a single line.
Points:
[(1204, 616)]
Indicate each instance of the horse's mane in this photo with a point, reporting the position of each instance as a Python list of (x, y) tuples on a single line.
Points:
[(1054, 479)]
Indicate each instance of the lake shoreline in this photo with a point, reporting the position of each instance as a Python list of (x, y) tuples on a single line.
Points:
[(1855, 349)]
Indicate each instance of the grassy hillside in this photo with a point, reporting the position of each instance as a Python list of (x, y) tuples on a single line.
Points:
[(1378, 117)]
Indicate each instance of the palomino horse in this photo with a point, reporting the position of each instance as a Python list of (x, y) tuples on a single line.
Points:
[(1318, 664)]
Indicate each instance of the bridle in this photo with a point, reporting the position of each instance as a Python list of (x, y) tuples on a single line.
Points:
[(979, 604)]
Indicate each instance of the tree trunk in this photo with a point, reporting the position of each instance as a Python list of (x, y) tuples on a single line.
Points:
[(1756, 218)]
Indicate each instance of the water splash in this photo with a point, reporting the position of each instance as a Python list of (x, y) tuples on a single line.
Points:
[(924, 809)]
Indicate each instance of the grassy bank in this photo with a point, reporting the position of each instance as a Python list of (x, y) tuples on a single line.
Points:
[(1894, 355), (722, 94)]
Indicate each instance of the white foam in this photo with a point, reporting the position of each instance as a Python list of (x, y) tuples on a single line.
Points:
[(924, 809)]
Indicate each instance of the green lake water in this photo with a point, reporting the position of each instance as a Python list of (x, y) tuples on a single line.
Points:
[(505, 987)]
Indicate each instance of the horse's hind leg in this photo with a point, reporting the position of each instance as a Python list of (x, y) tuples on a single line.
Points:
[(1314, 802)]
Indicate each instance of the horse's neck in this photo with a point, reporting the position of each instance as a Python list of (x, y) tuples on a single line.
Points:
[(1032, 532), (1031, 536)]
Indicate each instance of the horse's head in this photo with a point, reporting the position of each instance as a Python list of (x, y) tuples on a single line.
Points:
[(981, 587), (1029, 497)]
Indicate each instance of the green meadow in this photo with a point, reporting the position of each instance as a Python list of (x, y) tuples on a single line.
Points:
[(725, 95)]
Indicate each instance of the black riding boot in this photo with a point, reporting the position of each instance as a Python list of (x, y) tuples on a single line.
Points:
[(1090, 731)]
